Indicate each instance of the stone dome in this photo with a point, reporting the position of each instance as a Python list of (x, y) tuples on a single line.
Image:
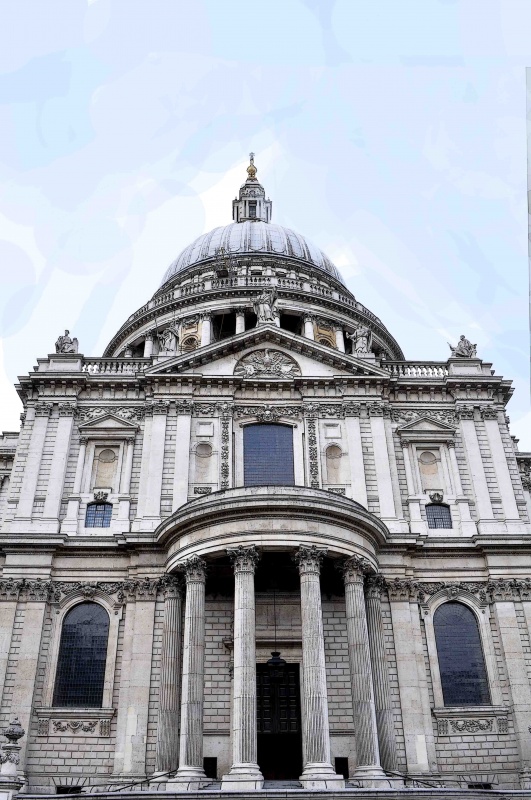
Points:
[(252, 237)]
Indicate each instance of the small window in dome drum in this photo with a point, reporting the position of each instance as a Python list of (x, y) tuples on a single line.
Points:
[(268, 455), (252, 208)]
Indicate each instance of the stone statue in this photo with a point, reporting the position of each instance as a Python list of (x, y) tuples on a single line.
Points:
[(65, 344), (361, 340), (464, 348), (265, 306), (167, 342)]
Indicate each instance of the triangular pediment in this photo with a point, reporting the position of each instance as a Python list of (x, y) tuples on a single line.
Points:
[(108, 422), (232, 357), (426, 424)]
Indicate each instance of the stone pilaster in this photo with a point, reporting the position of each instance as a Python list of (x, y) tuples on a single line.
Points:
[(168, 723), (318, 772), (125, 484), (382, 462), (368, 768), (181, 468), (41, 413), (54, 490), (374, 585), (475, 464), (358, 482), (191, 775), (69, 524), (244, 773)]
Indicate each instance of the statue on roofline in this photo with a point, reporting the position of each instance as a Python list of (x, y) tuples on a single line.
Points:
[(65, 344), (464, 348), (361, 340), (265, 306)]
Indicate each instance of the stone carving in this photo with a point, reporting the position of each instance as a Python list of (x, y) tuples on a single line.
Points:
[(503, 725), (309, 558), (470, 725), (14, 731), (378, 410), (105, 727), (267, 412), (351, 409), (361, 340), (43, 409), (157, 407), (130, 414), (194, 569), (43, 726), (226, 412), (464, 412), (354, 569), (184, 406), (76, 726), (336, 490), (374, 585), (267, 364), (265, 307), (442, 727), (100, 497), (311, 428), (464, 348), (244, 559), (67, 410), (65, 344), (489, 412), (436, 497), (10, 756), (168, 341), (202, 489), (407, 415)]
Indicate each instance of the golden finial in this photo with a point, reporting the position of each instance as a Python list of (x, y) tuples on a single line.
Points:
[(251, 169)]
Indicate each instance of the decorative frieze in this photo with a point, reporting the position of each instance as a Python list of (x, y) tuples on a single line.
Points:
[(464, 412), (225, 411), (405, 415), (127, 413), (60, 722), (267, 363), (313, 453), (184, 406), (498, 590), (202, 489), (56, 591), (475, 721), (268, 412)]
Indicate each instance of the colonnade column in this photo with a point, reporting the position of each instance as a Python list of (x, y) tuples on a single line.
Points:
[(318, 772), (340, 342), (240, 320), (374, 586), (191, 775), (368, 767), (168, 723), (206, 328), (308, 326), (244, 773)]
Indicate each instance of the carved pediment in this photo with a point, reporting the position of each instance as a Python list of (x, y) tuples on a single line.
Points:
[(426, 429), (107, 424), (232, 357)]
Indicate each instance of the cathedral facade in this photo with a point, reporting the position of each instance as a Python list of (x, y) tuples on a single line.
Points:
[(253, 543)]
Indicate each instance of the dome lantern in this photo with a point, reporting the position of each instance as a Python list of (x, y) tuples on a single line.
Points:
[(251, 205)]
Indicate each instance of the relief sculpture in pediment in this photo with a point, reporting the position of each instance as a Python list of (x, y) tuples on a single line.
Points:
[(267, 364)]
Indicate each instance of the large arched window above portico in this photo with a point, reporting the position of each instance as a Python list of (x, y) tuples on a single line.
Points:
[(268, 455)]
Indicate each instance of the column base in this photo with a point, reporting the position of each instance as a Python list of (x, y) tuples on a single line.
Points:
[(187, 779), (243, 778), (321, 776), (373, 777)]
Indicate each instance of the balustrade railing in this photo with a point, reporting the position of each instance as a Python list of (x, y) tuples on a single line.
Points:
[(115, 366), (416, 369)]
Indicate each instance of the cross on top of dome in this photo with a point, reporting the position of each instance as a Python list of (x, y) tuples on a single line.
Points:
[(251, 204)]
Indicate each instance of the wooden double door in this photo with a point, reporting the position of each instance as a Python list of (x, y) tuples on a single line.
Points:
[(279, 723)]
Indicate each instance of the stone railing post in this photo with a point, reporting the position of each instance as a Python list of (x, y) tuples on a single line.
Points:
[(368, 768), (191, 774), (318, 772), (10, 780), (244, 773), (168, 726)]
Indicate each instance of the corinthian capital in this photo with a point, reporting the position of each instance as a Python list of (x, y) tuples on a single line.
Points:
[(194, 569), (354, 569), (244, 559), (309, 559), (375, 584)]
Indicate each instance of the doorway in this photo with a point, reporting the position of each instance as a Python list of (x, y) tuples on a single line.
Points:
[(279, 723)]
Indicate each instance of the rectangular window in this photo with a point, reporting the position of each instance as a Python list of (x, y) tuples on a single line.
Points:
[(268, 455), (252, 208)]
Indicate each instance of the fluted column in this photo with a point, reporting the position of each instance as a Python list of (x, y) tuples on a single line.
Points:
[(190, 774), (244, 773), (168, 723), (318, 772), (374, 585), (367, 752)]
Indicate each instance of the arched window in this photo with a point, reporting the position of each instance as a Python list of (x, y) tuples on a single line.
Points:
[(98, 515), (82, 655), (461, 662), (438, 516), (268, 455)]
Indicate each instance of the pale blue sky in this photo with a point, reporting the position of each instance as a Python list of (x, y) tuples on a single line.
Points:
[(390, 132)]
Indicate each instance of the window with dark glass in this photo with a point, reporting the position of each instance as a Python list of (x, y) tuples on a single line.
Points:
[(252, 208), (82, 656), (268, 455), (438, 516), (98, 515), (461, 662)]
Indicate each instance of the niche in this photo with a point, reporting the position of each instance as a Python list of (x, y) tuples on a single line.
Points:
[(104, 467), (203, 460), (429, 468), (334, 455)]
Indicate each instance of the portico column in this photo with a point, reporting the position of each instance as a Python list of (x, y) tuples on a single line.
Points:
[(191, 775), (368, 767), (148, 345), (308, 327), (240, 320), (244, 773), (318, 772), (374, 586), (206, 328), (168, 725)]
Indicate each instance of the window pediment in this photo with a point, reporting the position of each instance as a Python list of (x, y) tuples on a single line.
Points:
[(426, 429)]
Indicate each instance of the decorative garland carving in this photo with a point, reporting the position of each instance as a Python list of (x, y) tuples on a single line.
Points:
[(67, 410), (405, 415), (498, 590), (268, 412), (267, 363), (128, 413), (464, 412), (311, 427), (74, 725), (56, 591), (225, 412)]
